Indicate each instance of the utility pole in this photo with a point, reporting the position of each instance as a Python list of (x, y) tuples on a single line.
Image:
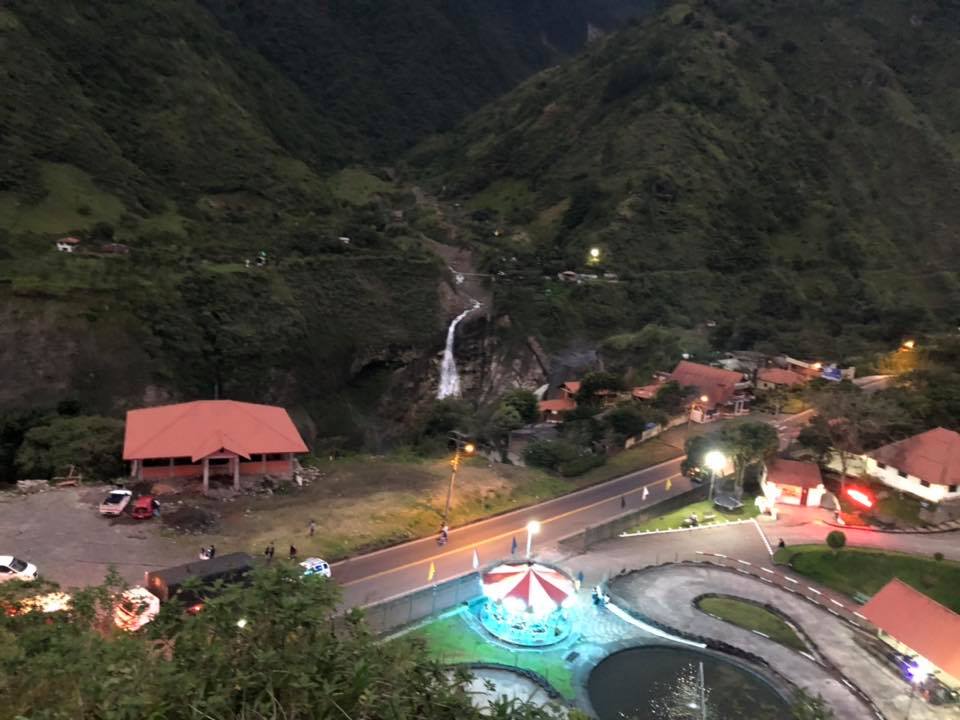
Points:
[(468, 448)]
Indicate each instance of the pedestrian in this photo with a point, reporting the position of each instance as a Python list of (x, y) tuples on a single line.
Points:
[(513, 546), (623, 502), (646, 492), (156, 507), (293, 553), (266, 554), (212, 553), (312, 528), (781, 544)]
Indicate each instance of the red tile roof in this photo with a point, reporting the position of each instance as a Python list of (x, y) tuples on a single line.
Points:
[(717, 384), (647, 392), (572, 386), (558, 405), (197, 429), (778, 376), (919, 622), (933, 456), (794, 472)]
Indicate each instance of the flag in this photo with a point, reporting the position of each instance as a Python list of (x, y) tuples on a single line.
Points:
[(646, 492), (476, 559), (668, 485), (431, 572), (513, 546)]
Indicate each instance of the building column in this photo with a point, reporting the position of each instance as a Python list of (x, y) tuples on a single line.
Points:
[(170, 472), (133, 468), (290, 461), (206, 476), (236, 473)]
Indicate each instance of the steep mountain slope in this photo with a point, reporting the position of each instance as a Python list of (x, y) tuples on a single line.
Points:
[(396, 70), (788, 170)]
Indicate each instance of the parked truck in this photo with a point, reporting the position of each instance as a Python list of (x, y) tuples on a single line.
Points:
[(169, 583)]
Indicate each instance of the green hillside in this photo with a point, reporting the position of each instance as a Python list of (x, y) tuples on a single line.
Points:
[(785, 170)]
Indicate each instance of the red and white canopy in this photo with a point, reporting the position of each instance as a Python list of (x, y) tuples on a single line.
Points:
[(528, 586)]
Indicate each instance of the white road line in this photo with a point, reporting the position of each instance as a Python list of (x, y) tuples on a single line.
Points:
[(626, 617), (761, 634), (838, 604), (767, 570), (863, 617), (719, 555), (744, 562), (763, 537), (814, 590), (741, 570), (787, 577)]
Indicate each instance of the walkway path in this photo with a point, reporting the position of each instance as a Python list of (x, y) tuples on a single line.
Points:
[(666, 595)]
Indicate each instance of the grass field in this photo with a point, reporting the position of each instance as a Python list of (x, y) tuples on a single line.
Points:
[(854, 570), (451, 640), (674, 520), (752, 617)]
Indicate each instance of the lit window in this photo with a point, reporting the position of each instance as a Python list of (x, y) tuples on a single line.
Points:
[(952, 488)]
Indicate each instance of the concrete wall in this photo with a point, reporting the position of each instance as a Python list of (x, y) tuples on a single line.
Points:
[(891, 476), (406, 609)]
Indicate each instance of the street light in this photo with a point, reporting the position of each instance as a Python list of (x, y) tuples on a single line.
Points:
[(908, 344), (716, 461), (463, 448), (918, 673), (533, 527)]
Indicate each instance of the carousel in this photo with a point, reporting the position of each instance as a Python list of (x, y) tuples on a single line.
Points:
[(527, 604)]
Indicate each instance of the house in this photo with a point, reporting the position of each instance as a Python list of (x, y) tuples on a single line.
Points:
[(571, 389), (926, 465), (791, 482), (211, 437), (918, 626), (725, 391), (554, 411), (67, 244), (772, 378), (646, 392)]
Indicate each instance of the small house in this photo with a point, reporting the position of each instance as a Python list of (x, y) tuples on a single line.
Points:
[(791, 482), (67, 244), (772, 378), (926, 465), (725, 391)]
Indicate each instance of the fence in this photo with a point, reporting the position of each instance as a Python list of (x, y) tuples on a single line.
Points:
[(612, 528), (406, 609)]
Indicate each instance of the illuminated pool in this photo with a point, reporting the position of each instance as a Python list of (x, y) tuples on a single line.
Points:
[(663, 683)]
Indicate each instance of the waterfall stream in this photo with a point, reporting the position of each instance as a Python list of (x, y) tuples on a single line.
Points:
[(449, 376)]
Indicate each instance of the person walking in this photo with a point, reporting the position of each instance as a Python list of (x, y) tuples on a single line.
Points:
[(312, 528), (269, 551), (212, 552), (293, 553), (623, 501)]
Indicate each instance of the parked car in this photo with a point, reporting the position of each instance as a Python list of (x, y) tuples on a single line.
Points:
[(115, 502), (13, 568), (315, 566), (697, 475), (144, 507)]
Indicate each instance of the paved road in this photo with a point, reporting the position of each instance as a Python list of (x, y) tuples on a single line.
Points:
[(403, 568)]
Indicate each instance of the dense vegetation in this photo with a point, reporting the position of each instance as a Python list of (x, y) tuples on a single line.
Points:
[(782, 173)]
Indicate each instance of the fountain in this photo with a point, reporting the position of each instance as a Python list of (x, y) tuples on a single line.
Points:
[(449, 377)]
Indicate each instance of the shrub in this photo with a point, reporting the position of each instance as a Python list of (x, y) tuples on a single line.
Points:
[(938, 556), (549, 454), (581, 465), (89, 442), (836, 539)]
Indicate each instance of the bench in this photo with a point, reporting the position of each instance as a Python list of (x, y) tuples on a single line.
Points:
[(860, 598)]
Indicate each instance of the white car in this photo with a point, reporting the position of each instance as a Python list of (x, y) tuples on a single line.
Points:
[(315, 566), (116, 502), (12, 568)]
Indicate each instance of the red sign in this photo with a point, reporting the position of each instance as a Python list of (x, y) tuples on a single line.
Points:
[(861, 497)]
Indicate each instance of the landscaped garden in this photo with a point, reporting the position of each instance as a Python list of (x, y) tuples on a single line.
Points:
[(751, 616), (451, 640), (703, 509), (854, 571)]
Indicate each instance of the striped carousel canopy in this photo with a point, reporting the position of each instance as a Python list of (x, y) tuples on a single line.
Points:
[(528, 586)]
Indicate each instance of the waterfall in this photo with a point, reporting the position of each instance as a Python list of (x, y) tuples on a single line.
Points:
[(449, 377)]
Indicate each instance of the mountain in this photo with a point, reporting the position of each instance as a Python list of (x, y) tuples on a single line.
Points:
[(392, 71), (785, 173)]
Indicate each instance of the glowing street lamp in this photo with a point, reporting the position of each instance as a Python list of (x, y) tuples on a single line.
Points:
[(716, 461), (918, 674), (908, 345), (593, 256), (463, 448), (533, 527)]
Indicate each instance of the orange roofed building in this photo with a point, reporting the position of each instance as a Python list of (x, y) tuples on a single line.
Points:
[(914, 624), (725, 390), (211, 437)]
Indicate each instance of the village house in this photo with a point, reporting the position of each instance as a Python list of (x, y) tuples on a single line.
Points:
[(726, 392), (926, 465), (791, 482), (556, 409), (67, 244), (772, 378), (919, 627), (211, 438)]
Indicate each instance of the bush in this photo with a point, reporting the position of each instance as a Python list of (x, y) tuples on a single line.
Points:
[(89, 442), (549, 454), (836, 539), (581, 465), (938, 556)]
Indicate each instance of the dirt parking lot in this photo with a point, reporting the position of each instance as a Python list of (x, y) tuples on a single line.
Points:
[(62, 532)]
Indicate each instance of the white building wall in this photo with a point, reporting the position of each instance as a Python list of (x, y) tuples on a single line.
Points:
[(891, 476)]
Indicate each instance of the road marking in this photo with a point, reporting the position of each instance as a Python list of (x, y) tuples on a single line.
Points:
[(863, 617), (768, 570), (838, 604), (761, 634), (719, 555), (508, 533), (529, 508), (741, 570), (763, 537), (787, 577), (744, 562), (626, 617), (814, 590)]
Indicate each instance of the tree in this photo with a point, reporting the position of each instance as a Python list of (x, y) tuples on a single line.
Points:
[(747, 444), (853, 420), (816, 437), (89, 442), (524, 402), (672, 398), (696, 448), (291, 657), (626, 421), (549, 454), (594, 382), (836, 539)]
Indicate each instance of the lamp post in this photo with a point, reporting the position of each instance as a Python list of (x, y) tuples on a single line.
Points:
[(533, 527), (463, 448), (716, 461)]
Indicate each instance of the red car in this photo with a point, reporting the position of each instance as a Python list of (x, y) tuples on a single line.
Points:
[(144, 507)]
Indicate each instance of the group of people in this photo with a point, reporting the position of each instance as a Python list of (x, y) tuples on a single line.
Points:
[(271, 550), (208, 553)]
